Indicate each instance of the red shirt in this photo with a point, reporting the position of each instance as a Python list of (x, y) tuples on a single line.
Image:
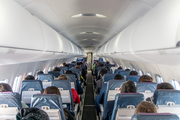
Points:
[(75, 95)]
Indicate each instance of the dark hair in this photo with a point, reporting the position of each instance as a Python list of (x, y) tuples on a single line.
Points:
[(128, 87), (39, 72), (145, 78), (127, 69), (29, 77), (103, 71), (62, 77), (133, 73), (5, 87), (73, 62), (107, 62), (78, 63), (146, 107), (69, 72), (52, 90), (64, 64), (56, 69), (118, 77), (119, 67), (164, 85), (100, 64), (77, 67)]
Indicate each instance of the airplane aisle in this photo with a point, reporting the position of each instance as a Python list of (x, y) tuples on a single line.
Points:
[(89, 112)]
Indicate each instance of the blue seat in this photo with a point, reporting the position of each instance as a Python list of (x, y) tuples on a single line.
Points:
[(72, 79), (167, 101), (48, 100), (64, 68), (46, 79), (155, 116), (112, 89), (77, 73), (29, 88), (144, 86), (110, 72), (107, 77), (11, 99), (64, 87), (98, 71), (125, 104), (54, 73), (117, 71), (134, 78), (123, 73)]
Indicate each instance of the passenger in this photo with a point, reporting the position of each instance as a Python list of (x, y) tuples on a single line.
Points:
[(146, 107), (145, 78), (55, 90), (75, 95), (127, 69), (7, 88), (32, 114), (120, 67), (56, 69), (100, 98), (99, 82), (38, 73), (79, 88), (29, 77), (127, 87), (133, 73)]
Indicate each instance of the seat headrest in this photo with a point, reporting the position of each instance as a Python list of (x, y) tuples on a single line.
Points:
[(10, 98), (122, 100), (163, 97), (43, 77), (134, 78), (154, 116), (65, 84), (112, 84), (143, 86), (107, 77), (54, 73)]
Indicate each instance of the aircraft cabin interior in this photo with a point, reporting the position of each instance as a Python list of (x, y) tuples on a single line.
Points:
[(89, 59)]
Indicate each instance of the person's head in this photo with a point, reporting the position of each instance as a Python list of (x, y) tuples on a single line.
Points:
[(69, 72), (73, 62), (78, 64), (64, 64), (100, 64), (118, 77), (102, 72), (52, 90), (39, 72), (127, 69), (133, 73), (62, 77), (120, 67), (128, 87), (146, 107), (145, 78), (5, 87), (56, 69), (29, 77), (107, 62), (77, 67), (165, 86)]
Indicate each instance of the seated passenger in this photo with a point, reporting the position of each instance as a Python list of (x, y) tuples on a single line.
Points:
[(75, 95), (133, 73), (100, 98), (55, 90), (56, 69), (38, 73), (145, 78), (127, 87), (164, 85), (29, 77), (32, 114), (146, 107), (7, 88), (79, 88), (120, 68), (127, 69), (99, 82)]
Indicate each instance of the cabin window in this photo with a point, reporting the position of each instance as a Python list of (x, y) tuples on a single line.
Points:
[(53, 67), (30, 73), (129, 68), (125, 67), (133, 69), (4, 81), (44, 71), (49, 69), (140, 73), (175, 84), (159, 79), (148, 74), (16, 84)]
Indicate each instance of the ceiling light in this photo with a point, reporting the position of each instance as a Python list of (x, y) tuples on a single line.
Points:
[(88, 15), (95, 33), (88, 33)]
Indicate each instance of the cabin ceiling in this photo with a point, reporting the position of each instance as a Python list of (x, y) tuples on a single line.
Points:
[(57, 14)]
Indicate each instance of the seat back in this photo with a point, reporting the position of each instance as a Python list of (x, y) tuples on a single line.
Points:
[(29, 88), (46, 79), (125, 104), (64, 87), (9, 105), (77, 73), (64, 68), (117, 71), (54, 73), (134, 78), (107, 77), (146, 88), (112, 89), (123, 73), (98, 71), (52, 104), (155, 116), (167, 101), (72, 79)]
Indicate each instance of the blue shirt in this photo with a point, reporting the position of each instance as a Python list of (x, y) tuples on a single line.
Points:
[(108, 108)]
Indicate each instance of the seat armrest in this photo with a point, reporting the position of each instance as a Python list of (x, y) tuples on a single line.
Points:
[(102, 110), (76, 110)]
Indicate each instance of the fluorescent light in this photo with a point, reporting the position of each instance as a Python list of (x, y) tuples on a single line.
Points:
[(82, 33), (95, 33), (88, 33), (78, 15), (99, 15), (88, 15)]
